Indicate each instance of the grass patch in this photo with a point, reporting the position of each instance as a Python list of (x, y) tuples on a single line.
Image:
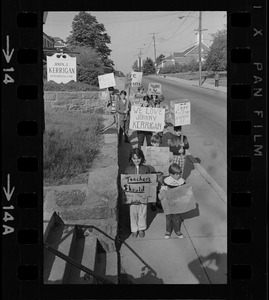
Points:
[(71, 143), (69, 87)]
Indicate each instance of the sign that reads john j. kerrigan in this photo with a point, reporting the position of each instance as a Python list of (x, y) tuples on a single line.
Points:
[(61, 68), (139, 188), (147, 118)]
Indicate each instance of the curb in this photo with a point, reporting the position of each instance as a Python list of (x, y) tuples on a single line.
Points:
[(193, 84), (209, 88), (207, 177)]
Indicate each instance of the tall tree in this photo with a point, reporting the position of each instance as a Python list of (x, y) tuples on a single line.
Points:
[(135, 66), (89, 64), (159, 59), (86, 31), (216, 59), (148, 67)]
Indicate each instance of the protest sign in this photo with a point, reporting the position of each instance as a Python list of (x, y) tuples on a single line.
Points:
[(147, 118), (128, 81), (136, 79), (61, 68), (158, 158), (105, 95), (181, 112), (154, 89), (139, 188), (177, 200), (106, 80), (136, 101)]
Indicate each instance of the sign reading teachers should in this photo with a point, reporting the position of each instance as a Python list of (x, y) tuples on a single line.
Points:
[(61, 68), (147, 118), (139, 188)]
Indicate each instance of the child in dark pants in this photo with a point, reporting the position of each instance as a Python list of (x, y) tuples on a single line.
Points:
[(155, 142), (174, 179)]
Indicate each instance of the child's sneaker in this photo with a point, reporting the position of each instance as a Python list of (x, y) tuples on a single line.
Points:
[(167, 235), (179, 235)]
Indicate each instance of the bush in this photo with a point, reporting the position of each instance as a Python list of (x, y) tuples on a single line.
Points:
[(69, 87), (71, 143)]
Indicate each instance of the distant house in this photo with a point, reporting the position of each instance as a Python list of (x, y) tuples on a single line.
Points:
[(48, 42), (166, 62), (59, 43), (188, 55)]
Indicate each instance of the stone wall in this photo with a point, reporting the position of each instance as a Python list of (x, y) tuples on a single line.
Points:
[(94, 202), (86, 102)]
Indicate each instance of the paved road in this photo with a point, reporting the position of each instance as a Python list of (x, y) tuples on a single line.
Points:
[(207, 132)]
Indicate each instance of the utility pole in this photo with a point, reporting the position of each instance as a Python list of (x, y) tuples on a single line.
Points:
[(200, 46), (153, 34), (139, 60)]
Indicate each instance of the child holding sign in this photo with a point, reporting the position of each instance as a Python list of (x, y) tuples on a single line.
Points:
[(142, 135), (173, 180), (138, 211), (178, 144), (123, 108)]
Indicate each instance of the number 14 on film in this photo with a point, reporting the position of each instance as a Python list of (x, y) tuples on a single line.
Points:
[(8, 54)]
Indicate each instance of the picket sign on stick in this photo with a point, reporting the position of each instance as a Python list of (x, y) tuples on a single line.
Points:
[(127, 103), (106, 80), (180, 110), (136, 79), (154, 89), (147, 118)]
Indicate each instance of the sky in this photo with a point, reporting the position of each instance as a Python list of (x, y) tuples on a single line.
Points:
[(132, 32)]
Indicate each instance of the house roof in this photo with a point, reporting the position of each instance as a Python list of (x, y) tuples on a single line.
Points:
[(57, 39), (48, 37), (185, 52), (57, 44), (182, 54)]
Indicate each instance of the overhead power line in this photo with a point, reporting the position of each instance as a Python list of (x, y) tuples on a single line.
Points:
[(143, 19), (167, 26), (178, 27)]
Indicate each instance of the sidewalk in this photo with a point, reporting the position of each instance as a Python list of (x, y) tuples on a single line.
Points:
[(199, 258), (196, 83)]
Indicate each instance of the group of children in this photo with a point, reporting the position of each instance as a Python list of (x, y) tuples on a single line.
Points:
[(177, 143)]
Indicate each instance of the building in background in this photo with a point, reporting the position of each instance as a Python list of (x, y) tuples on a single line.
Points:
[(48, 42), (187, 55), (59, 43)]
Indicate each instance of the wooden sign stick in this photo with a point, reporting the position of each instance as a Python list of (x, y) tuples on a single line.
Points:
[(127, 103)]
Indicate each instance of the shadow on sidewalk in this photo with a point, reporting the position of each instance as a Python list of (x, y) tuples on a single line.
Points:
[(188, 167), (214, 265), (191, 213), (146, 278)]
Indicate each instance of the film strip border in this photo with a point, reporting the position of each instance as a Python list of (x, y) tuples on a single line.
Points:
[(23, 125), (247, 154)]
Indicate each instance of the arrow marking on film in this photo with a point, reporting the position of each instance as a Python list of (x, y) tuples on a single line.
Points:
[(6, 53), (7, 192)]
